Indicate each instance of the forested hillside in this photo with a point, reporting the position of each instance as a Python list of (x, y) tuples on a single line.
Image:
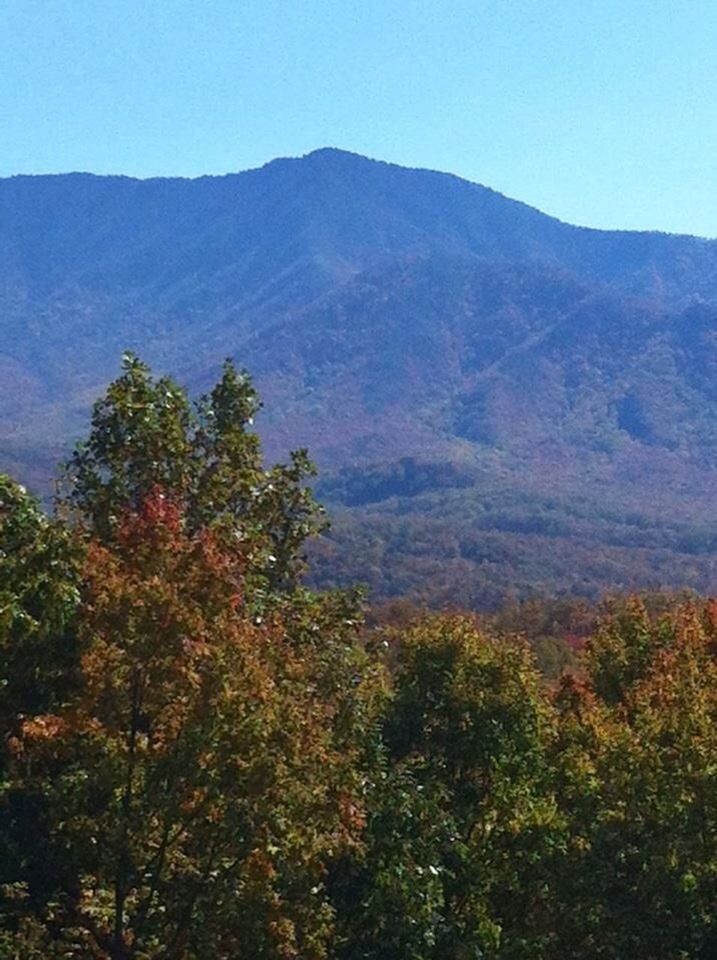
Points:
[(564, 377), (203, 759)]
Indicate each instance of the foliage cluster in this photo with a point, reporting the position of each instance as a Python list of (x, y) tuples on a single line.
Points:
[(202, 759)]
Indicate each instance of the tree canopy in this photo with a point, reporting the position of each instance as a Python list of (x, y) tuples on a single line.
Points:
[(204, 760)]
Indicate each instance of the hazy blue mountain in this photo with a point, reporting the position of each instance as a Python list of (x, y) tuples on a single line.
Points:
[(439, 347)]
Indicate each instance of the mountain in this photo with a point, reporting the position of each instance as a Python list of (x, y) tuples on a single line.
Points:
[(498, 401)]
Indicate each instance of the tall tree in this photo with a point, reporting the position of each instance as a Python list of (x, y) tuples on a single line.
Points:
[(462, 821), (199, 775), (146, 434)]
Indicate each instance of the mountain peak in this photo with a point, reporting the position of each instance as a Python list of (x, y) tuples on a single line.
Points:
[(390, 315), (335, 153)]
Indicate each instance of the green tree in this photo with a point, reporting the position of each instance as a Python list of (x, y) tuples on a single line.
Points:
[(40, 579), (39, 594), (462, 823), (146, 434)]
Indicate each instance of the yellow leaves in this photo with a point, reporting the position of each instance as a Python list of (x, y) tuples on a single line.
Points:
[(14, 892), (40, 736), (195, 647)]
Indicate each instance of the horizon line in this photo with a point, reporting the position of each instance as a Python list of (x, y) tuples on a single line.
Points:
[(359, 156)]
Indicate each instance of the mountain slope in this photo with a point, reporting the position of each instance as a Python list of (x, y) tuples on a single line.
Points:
[(391, 317)]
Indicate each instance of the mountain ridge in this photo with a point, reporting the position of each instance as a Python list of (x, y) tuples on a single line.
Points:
[(344, 154), (387, 313)]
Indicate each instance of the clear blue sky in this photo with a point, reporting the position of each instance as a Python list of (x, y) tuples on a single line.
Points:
[(602, 112)]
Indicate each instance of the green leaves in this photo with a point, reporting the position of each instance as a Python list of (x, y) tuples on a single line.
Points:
[(39, 595), (183, 722), (146, 435), (462, 813), (139, 440), (637, 759)]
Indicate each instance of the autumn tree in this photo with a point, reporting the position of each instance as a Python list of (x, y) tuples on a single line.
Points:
[(197, 777), (203, 760), (637, 750)]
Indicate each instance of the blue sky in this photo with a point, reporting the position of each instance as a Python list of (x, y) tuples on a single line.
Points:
[(597, 111)]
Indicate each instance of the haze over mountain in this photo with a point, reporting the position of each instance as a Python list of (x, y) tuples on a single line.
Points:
[(499, 400)]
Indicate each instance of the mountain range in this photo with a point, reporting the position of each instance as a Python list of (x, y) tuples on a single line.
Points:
[(500, 403)]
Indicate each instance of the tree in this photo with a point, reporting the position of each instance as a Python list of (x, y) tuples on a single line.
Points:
[(40, 579), (146, 435), (461, 818), (39, 595), (636, 754), (198, 776), (203, 760)]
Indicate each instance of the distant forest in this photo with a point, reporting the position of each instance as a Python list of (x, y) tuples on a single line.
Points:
[(205, 759), (503, 406), (445, 536)]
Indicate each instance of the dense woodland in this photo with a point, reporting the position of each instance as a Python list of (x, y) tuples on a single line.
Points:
[(481, 542), (204, 759)]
